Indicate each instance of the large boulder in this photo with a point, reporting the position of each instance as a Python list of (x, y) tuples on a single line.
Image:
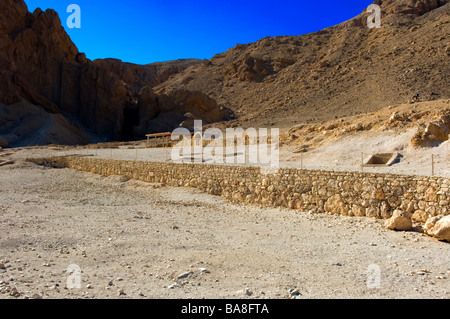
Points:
[(438, 227), (399, 221), (434, 132)]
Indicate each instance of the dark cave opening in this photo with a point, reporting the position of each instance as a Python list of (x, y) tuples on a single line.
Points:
[(130, 119)]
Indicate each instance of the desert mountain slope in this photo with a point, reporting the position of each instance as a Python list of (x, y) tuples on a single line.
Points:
[(341, 71)]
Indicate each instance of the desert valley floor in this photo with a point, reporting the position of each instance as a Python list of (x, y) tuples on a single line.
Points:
[(137, 240)]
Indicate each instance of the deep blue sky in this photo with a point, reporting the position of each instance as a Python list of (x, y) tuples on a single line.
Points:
[(145, 31)]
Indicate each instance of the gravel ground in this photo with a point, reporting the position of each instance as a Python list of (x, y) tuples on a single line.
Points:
[(137, 240)]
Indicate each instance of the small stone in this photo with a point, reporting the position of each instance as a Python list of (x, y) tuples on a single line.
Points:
[(13, 292), (204, 270), (426, 271), (185, 275), (37, 296), (121, 292), (294, 292), (245, 292)]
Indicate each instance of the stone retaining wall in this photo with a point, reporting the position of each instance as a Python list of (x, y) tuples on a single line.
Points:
[(345, 193)]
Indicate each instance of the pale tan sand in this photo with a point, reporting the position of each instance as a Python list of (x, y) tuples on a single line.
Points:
[(140, 237)]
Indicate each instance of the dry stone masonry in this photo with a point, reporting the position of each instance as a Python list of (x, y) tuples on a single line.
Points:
[(344, 193)]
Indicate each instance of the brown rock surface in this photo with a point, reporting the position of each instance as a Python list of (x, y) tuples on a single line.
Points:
[(23, 124), (40, 64)]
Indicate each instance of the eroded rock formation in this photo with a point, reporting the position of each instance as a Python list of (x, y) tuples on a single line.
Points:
[(41, 66)]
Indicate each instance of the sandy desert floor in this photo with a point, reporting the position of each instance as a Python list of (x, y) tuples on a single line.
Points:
[(136, 240)]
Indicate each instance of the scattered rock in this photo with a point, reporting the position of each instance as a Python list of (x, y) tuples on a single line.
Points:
[(395, 117)]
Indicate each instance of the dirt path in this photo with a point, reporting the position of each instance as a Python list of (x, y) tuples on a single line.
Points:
[(136, 238)]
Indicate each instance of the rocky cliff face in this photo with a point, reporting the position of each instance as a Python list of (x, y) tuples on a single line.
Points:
[(40, 65)]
